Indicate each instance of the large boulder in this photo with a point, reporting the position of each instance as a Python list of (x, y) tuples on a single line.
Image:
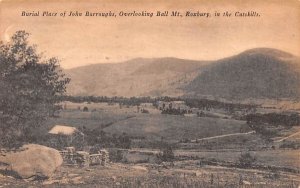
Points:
[(32, 161)]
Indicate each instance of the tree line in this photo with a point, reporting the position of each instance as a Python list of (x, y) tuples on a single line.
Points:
[(136, 101)]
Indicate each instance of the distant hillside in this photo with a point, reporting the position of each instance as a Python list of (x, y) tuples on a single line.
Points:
[(256, 73), (137, 77)]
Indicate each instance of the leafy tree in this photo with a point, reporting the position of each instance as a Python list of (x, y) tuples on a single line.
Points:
[(31, 86)]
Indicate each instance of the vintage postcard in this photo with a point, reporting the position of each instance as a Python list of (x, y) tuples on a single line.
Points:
[(150, 93)]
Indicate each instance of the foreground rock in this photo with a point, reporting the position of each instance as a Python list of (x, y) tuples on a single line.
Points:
[(31, 161)]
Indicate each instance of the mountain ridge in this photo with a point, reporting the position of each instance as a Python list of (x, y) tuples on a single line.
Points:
[(249, 74), (255, 73)]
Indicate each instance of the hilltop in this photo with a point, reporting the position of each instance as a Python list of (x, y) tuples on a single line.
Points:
[(255, 73)]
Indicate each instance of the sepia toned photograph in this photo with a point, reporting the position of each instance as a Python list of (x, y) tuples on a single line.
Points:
[(150, 93)]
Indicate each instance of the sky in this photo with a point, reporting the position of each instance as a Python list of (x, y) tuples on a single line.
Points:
[(80, 41)]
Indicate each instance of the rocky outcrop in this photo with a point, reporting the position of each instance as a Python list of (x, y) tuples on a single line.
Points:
[(31, 161)]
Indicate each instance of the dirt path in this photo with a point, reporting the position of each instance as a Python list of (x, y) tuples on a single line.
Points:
[(292, 135), (221, 136), (111, 123)]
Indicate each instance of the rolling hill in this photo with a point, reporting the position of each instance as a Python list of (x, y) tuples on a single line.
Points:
[(137, 77), (256, 73)]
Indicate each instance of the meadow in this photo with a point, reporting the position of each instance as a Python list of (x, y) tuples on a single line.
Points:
[(268, 170)]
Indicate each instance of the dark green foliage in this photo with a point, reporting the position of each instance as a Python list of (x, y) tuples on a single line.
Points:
[(268, 125), (30, 85), (275, 119), (173, 111), (204, 104)]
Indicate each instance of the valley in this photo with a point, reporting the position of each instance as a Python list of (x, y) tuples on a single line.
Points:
[(181, 123)]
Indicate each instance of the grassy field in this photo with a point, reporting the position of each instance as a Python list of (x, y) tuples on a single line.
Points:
[(90, 120), (99, 115), (174, 128), (113, 119), (187, 169)]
